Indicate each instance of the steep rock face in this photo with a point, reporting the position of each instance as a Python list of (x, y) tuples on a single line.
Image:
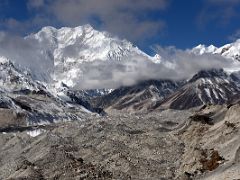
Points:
[(206, 87), (137, 97)]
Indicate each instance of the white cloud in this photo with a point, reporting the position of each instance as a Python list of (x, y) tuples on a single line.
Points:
[(35, 4), (235, 36), (28, 54), (217, 11), (176, 65), (125, 18)]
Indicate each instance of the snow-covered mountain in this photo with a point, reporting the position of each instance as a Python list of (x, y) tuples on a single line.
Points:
[(231, 51), (201, 49), (69, 48), (206, 87), (31, 100), (13, 78), (214, 86)]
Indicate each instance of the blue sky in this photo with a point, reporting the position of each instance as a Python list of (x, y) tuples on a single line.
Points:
[(180, 23)]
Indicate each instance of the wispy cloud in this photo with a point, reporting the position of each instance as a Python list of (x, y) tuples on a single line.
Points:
[(217, 11), (175, 65), (35, 4), (28, 54), (235, 35), (15, 26), (124, 18)]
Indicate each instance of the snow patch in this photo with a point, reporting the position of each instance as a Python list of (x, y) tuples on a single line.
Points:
[(36, 132)]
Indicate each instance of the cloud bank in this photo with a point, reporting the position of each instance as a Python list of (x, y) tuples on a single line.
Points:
[(175, 65), (27, 54), (220, 11), (235, 36)]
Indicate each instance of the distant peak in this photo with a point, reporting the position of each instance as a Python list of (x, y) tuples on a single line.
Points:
[(48, 28), (156, 58), (87, 26), (212, 46), (210, 73), (202, 49), (200, 46)]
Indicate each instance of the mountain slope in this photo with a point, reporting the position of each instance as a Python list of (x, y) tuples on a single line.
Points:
[(21, 96), (206, 87), (14, 79), (138, 97)]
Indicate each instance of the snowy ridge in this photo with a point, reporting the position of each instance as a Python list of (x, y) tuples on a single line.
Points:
[(201, 49), (26, 98), (231, 51), (206, 87), (14, 79), (214, 86)]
